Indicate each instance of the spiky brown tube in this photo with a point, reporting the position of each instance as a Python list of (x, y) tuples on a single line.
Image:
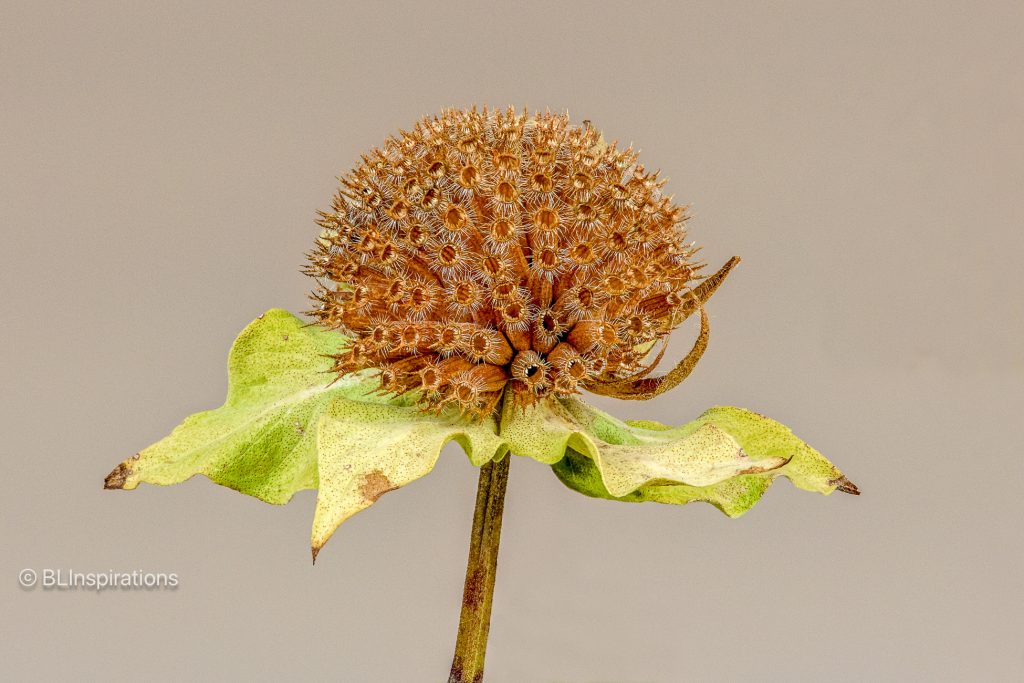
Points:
[(486, 250)]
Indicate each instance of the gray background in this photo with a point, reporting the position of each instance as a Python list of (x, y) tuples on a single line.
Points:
[(161, 167)]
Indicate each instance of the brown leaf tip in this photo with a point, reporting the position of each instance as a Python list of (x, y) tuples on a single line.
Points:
[(846, 486), (119, 475)]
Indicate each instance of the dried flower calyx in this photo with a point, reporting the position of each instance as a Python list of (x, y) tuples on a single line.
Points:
[(486, 250)]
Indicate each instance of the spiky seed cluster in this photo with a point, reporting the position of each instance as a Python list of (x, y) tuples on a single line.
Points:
[(489, 249)]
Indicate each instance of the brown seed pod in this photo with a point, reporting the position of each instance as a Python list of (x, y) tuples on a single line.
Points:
[(490, 253)]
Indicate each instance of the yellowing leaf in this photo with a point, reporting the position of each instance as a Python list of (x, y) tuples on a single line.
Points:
[(628, 457), (367, 450)]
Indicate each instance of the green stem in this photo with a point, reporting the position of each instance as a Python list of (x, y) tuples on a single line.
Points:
[(475, 620)]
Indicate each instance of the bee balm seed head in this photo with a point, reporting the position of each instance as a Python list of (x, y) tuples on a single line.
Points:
[(486, 250)]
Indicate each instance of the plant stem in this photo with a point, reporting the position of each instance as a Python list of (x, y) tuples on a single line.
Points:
[(475, 620)]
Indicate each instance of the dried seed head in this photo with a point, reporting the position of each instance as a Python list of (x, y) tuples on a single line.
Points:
[(489, 249)]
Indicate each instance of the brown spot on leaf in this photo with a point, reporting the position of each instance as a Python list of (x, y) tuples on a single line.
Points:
[(375, 484), (117, 478), (762, 467)]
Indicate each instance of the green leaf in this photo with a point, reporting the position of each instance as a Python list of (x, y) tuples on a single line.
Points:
[(727, 457), (286, 425)]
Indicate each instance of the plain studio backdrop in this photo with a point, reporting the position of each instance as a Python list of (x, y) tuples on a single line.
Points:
[(161, 167)]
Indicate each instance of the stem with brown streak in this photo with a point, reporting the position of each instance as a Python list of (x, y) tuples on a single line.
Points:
[(475, 620)]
